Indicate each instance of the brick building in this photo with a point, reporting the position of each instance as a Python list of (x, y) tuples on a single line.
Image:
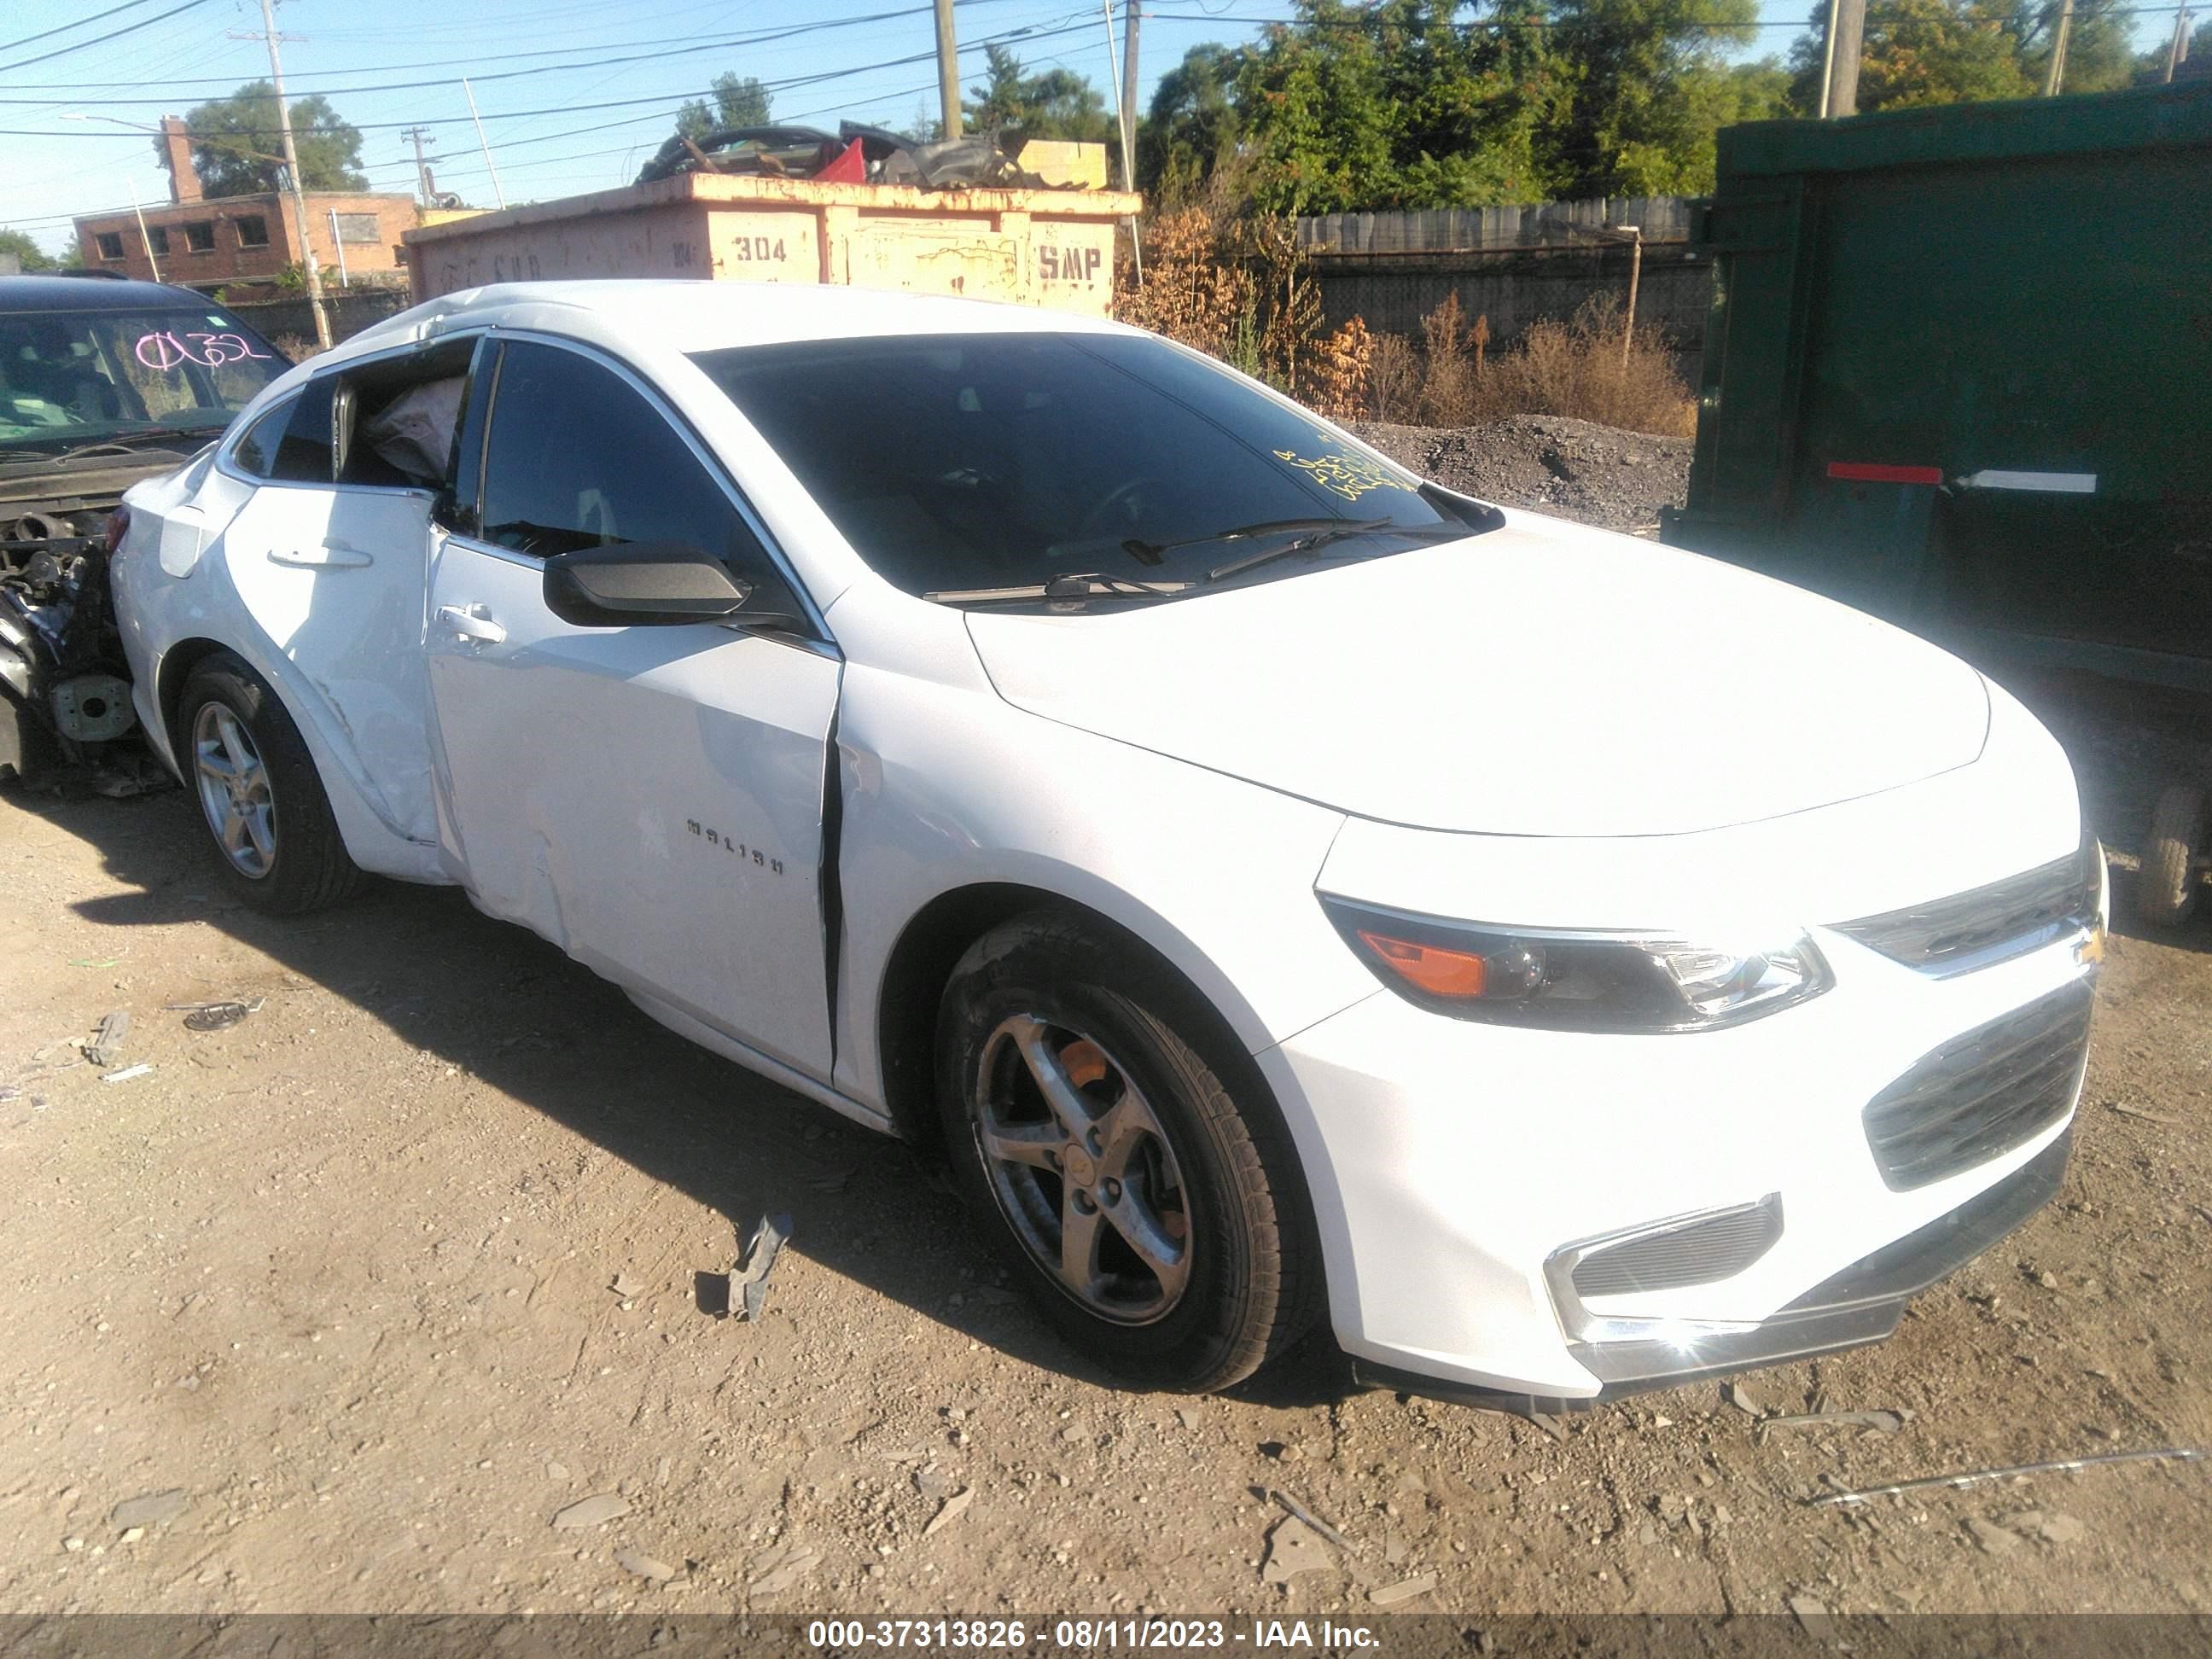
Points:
[(238, 240)]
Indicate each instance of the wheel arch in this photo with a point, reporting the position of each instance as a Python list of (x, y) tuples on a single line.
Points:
[(169, 676), (930, 947)]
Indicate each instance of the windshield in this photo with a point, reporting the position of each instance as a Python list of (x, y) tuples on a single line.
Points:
[(955, 463), (72, 378)]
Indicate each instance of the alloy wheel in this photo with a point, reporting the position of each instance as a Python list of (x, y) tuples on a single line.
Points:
[(234, 790), (1083, 1170)]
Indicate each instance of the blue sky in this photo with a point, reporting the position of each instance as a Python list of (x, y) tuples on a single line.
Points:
[(547, 137)]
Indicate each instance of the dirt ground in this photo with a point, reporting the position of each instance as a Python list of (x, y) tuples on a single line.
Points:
[(362, 1294)]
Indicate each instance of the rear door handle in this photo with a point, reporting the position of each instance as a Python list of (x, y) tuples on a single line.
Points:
[(470, 624), (330, 555)]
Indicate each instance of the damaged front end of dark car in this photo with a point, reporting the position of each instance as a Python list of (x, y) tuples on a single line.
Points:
[(64, 687), (103, 384)]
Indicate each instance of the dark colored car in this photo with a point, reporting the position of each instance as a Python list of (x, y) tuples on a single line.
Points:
[(102, 383)]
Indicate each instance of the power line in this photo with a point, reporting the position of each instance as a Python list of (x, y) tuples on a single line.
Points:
[(759, 37), (44, 35), (112, 34), (785, 84)]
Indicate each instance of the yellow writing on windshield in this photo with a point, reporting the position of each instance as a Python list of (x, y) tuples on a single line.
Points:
[(1348, 475)]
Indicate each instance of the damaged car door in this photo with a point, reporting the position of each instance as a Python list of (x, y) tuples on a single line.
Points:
[(330, 555), (647, 794)]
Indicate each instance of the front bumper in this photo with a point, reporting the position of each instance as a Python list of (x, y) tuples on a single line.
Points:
[(1860, 1304), (1457, 1168)]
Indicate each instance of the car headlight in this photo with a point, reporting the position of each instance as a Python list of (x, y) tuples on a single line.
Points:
[(1577, 981)]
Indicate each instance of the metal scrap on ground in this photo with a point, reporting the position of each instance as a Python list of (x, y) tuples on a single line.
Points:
[(213, 1016), (745, 1285), (106, 1045), (1974, 1477)]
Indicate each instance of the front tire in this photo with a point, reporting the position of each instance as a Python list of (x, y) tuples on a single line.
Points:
[(1121, 1158), (275, 842)]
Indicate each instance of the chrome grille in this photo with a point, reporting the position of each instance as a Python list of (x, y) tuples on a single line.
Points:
[(1697, 1250), (1981, 1094), (1990, 924)]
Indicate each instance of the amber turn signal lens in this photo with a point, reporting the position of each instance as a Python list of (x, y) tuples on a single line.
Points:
[(1439, 972)]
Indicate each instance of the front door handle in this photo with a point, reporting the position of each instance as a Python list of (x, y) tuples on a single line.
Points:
[(470, 621)]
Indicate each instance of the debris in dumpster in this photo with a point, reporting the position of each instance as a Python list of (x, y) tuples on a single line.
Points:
[(213, 1016), (854, 154), (1977, 1477), (126, 1073), (106, 1045), (742, 1293), (1881, 1422)]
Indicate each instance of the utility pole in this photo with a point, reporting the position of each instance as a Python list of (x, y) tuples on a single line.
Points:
[(2054, 79), (948, 70), (1846, 32), (2176, 51), (422, 165), (1827, 58), (292, 171), (1129, 16)]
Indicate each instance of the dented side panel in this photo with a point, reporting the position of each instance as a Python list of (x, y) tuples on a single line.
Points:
[(336, 580), (648, 799)]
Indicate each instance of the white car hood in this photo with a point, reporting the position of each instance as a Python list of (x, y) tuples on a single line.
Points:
[(1540, 679)]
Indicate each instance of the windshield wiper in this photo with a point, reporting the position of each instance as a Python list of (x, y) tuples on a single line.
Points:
[(1153, 552), (1339, 529), (1082, 585), (120, 442)]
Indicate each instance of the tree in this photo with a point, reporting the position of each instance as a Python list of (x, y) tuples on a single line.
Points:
[(1193, 127), (29, 255), (1651, 84), (1922, 52), (2100, 50), (738, 103), (1054, 103), (236, 139)]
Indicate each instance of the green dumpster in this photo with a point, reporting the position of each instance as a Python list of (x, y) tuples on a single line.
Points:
[(1958, 373)]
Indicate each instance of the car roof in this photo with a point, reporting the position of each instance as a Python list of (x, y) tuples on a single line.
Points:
[(51, 292), (708, 316)]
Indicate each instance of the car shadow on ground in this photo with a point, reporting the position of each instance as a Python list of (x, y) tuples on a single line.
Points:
[(514, 1013)]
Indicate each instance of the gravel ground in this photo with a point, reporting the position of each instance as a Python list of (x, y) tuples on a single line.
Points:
[(381, 1281), (1577, 469)]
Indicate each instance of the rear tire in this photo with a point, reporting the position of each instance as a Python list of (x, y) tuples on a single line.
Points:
[(2166, 888), (261, 801), (1165, 1235)]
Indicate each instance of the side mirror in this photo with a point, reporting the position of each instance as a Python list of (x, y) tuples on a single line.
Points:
[(641, 584)]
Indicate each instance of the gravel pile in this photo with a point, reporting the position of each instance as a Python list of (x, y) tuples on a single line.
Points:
[(1598, 474)]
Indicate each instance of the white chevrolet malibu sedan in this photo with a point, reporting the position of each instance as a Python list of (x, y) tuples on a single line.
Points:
[(1278, 885)]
